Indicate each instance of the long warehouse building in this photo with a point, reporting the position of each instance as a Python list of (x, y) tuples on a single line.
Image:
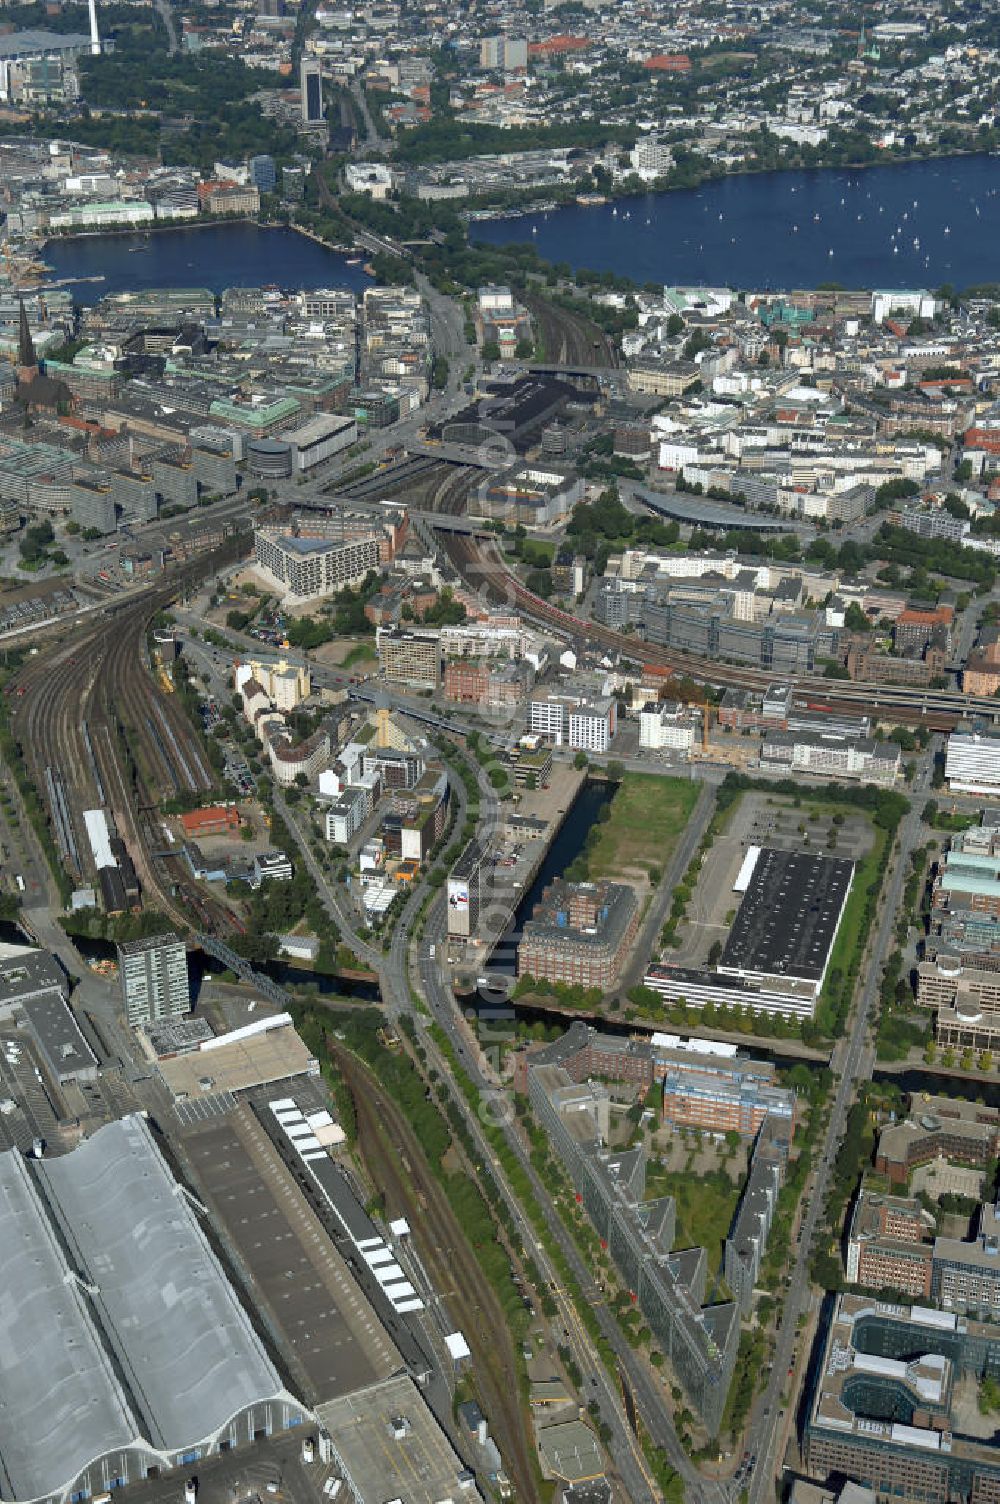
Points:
[(125, 1351)]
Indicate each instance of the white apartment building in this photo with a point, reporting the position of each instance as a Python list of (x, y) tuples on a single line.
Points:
[(827, 755), (289, 759), (345, 818), (286, 685), (305, 568), (666, 727), (92, 216), (373, 178), (674, 455), (591, 727), (548, 716), (481, 640), (154, 978), (972, 763), (319, 438), (651, 158), (920, 303), (271, 867)]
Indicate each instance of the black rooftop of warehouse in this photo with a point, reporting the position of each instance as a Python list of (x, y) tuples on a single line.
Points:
[(788, 919)]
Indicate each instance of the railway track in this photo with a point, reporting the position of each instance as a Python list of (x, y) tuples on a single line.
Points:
[(392, 480), (569, 339), (96, 731), (452, 494), (482, 567), (398, 1166)]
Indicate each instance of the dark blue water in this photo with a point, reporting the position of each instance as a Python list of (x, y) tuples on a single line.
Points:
[(225, 255), (789, 229)]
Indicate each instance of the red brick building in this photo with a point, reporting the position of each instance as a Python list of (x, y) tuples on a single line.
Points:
[(579, 933), (891, 1244), (215, 820)]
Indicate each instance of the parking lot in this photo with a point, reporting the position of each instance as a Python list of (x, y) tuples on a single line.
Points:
[(235, 766), (29, 1106), (237, 770)]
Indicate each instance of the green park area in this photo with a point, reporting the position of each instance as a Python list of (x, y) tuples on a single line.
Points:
[(641, 825)]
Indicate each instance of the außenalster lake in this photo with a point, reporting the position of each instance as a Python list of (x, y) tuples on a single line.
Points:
[(218, 256), (911, 224)]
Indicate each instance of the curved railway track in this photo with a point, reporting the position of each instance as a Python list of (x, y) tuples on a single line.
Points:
[(450, 496), (89, 710), (483, 568)]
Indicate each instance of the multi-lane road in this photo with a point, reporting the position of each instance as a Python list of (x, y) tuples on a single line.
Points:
[(852, 1063)]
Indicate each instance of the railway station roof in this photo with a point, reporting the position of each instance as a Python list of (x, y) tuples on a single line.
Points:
[(696, 511)]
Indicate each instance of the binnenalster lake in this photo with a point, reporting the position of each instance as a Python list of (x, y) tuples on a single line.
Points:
[(218, 256)]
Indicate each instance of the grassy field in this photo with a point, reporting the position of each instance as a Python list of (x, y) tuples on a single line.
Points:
[(705, 1207), (846, 945), (362, 652), (648, 814)]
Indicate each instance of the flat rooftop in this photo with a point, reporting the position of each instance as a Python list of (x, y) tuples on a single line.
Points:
[(238, 1064), (331, 1336), (28, 971), (26, 43), (391, 1447), (874, 1209), (918, 1401), (58, 1035), (788, 919), (296, 544), (552, 919), (978, 1126), (175, 1036), (571, 1452)]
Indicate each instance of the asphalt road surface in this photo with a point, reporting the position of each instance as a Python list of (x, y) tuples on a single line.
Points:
[(852, 1062)]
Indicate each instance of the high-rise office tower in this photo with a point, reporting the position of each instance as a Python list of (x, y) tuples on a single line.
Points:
[(311, 82)]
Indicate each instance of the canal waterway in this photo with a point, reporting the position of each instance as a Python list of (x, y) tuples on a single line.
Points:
[(941, 1084), (567, 844), (216, 256), (909, 224)]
